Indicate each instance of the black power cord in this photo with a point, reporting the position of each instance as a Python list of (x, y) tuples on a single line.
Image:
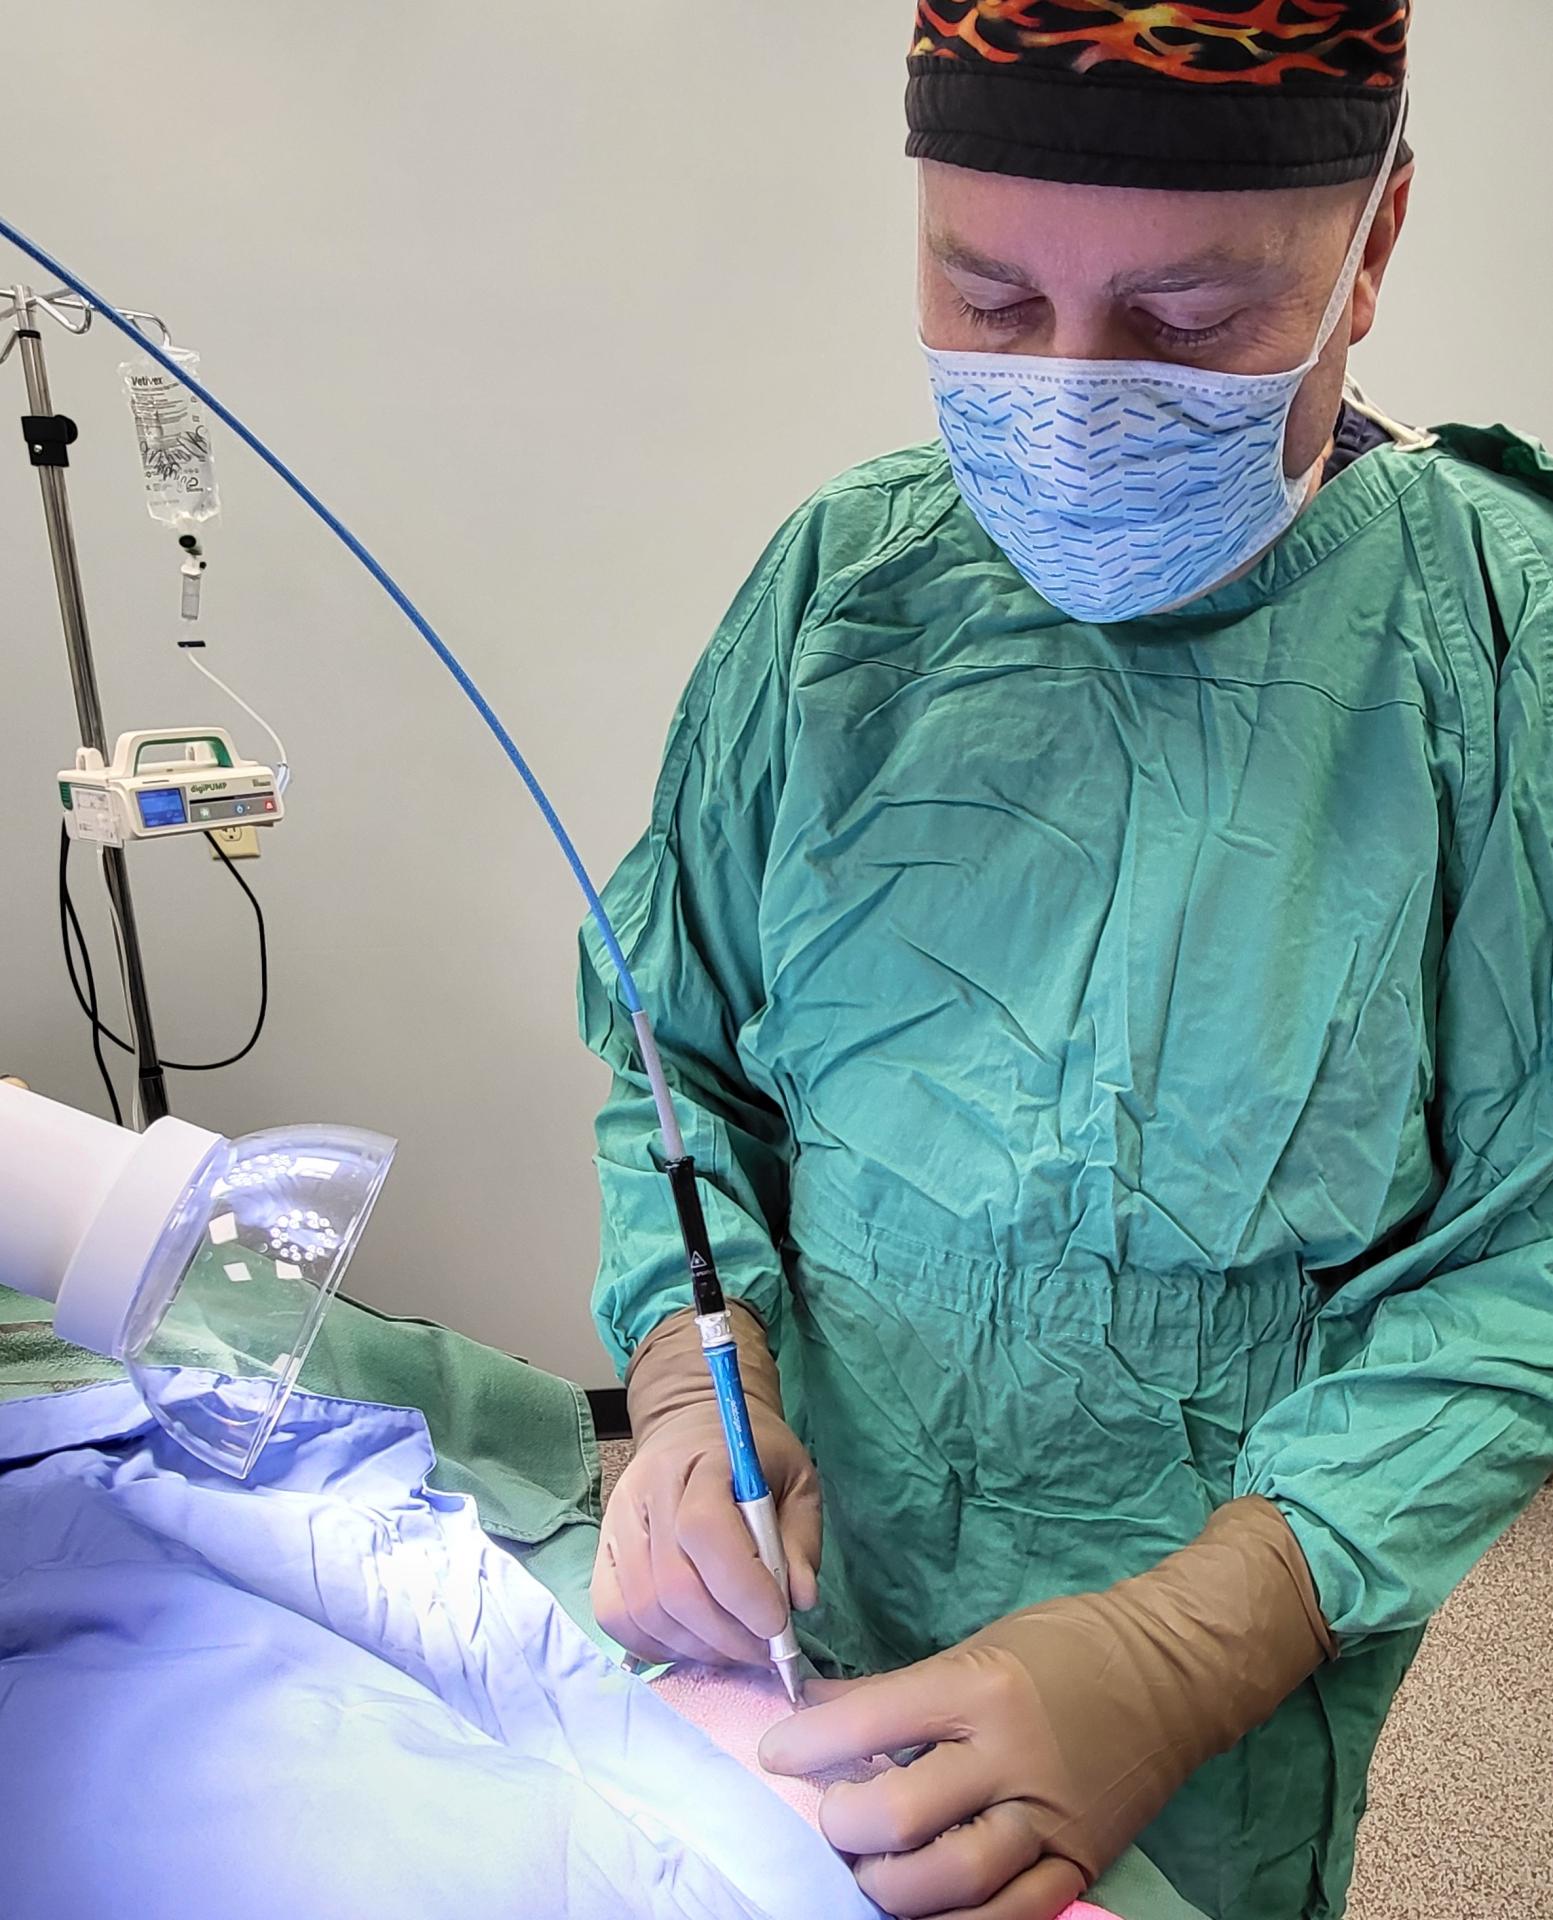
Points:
[(70, 929), (67, 922)]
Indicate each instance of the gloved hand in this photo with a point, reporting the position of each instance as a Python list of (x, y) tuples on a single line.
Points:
[(677, 1575), (1063, 1730)]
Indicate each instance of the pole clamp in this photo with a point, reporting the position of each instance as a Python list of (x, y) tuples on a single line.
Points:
[(47, 436)]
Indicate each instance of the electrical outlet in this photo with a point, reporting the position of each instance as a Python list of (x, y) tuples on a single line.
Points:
[(237, 843)]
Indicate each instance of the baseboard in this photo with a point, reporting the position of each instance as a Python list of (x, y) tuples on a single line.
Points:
[(608, 1407)]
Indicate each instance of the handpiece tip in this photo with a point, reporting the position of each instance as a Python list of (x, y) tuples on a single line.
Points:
[(787, 1670)]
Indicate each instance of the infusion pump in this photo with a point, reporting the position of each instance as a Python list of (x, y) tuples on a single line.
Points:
[(175, 781)]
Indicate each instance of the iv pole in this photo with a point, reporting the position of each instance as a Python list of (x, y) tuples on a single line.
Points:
[(48, 437)]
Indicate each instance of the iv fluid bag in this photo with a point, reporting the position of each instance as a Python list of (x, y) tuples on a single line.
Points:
[(174, 441)]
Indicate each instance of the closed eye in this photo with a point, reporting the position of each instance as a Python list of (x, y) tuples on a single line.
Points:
[(1007, 319), (1186, 339)]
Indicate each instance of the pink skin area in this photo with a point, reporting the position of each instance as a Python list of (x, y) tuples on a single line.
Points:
[(733, 1707)]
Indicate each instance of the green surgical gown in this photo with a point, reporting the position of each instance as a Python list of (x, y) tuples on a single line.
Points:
[(1119, 1063)]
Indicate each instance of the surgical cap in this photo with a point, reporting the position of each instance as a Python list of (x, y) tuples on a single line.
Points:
[(1267, 93)]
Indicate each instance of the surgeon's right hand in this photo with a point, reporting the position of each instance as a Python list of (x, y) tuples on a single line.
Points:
[(677, 1576)]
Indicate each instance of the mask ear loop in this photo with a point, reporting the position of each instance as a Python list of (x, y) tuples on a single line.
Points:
[(1299, 487), (1348, 278)]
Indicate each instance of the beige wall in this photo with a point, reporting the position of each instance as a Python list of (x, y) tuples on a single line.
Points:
[(563, 328)]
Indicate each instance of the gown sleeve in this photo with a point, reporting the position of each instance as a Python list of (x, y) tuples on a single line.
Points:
[(1424, 1423), (686, 905)]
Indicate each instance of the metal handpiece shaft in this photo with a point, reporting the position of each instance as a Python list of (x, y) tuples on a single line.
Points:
[(760, 1516)]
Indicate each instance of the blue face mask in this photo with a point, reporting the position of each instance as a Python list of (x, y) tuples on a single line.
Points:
[(1119, 488)]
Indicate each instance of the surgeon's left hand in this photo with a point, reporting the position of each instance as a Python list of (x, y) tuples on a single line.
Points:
[(1061, 1732)]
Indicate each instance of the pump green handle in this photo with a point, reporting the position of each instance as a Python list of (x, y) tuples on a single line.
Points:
[(219, 746)]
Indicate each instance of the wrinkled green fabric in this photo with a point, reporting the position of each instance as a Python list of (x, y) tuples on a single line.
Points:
[(1117, 1062), (1135, 1889), (517, 1440)]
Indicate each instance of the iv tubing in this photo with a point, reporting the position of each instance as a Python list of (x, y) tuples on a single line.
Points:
[(282, 763)]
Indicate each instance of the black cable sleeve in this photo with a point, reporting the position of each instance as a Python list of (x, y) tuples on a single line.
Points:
[(67, 920), (70, 922)]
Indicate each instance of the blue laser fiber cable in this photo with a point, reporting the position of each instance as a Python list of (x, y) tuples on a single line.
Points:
[(751, 1493)]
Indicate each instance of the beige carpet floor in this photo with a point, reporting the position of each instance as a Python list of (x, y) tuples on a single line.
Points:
[(1461, 1796), (1460, 1825)]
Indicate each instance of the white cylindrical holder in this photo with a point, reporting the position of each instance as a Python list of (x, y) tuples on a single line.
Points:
[(102, 1284), (56, 1166), (84, 1206)]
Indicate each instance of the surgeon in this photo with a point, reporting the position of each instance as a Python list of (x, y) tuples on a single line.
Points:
[(1098, 906)]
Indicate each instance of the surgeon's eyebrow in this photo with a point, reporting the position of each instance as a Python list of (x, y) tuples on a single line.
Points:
[(1213, 267), (954, 253)]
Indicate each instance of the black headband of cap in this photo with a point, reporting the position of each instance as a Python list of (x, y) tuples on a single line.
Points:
[(1267, 93)]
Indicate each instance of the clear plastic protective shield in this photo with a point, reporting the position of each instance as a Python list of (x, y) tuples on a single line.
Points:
[(229, 1307)]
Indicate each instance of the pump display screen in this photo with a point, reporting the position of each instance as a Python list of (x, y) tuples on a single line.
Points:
[(163, 807)]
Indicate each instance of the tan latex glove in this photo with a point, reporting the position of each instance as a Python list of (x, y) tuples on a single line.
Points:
[(1061, 1731), (677, 1576)]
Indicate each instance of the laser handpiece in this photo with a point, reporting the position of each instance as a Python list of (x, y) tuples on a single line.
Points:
[(751, 1494)]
